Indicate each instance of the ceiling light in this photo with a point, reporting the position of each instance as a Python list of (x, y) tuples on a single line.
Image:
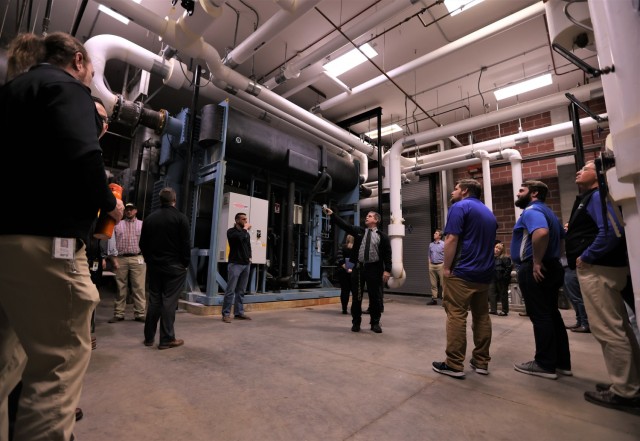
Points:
[(457, 6), (113, 14), (393, 128), (524, 86), (349, 60)]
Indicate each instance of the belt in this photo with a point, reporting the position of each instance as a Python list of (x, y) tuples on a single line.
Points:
[(437, 263), (130, 255)]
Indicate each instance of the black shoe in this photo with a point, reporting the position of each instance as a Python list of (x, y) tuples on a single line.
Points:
[(355, 328), (442, 368), (493, 312), (148, 343), (523, 314), (115, 319), (602, 387), (609, 399), (140, 319), (344, 311), (432, 302), (376, 328), (79, 414), (503, 314), (582, 330)]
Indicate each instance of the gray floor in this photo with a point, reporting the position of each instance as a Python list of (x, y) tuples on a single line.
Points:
[(301, 374)]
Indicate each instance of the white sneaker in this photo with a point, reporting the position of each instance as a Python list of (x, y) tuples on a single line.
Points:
[(533, 368)]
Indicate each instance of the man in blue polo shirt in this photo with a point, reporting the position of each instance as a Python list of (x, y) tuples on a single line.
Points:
[(535, 247), (468, 269)]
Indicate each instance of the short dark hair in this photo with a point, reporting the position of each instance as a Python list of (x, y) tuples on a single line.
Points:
[(539, 187), (239, 214), (473, 186), (167, 196)]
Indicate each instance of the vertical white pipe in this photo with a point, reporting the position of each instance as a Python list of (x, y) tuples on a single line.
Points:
[(486, 179)]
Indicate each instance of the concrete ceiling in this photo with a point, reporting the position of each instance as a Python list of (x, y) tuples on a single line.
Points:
[(450, 88)]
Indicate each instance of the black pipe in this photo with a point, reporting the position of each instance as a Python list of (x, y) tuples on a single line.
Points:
[(47, 17), (186, 179), (78, 19), (577, 135)]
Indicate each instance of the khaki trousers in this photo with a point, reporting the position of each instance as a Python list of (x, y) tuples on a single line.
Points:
[(609, 324), (459, 296), (45, 340), (134, 269), (436, 275)]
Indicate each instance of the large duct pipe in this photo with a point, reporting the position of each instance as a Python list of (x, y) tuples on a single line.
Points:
[(255, 142)]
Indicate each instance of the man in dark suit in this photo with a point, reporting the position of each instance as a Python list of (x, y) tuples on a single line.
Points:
[(373, 267)]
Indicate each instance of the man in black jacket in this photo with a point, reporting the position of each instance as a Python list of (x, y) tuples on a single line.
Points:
[(596, 247), (47, 296), (373, 267), (166, 247)]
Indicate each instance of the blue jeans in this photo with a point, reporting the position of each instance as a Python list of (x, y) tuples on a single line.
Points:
[(572, 289), (237, 278)]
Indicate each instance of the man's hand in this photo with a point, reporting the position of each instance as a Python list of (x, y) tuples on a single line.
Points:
[(537, 272), (385, 276), (247, 226), (447, 272), (328, 211)]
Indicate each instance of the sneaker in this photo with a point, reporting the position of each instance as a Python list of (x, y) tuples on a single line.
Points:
[(479, 370), (242, 317), (226, 318), (442, 368), (533, 368), (608, 399), (565, 372)]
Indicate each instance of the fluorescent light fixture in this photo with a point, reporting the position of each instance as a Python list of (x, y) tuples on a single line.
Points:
[(457, 6), (349, 60), (393, 128), (114, 14), (524, 86)]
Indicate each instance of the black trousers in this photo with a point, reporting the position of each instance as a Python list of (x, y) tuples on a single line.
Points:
[(552, 342), (165, 286), (345, 287), (369, 275)]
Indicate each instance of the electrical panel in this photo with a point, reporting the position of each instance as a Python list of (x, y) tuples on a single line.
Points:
[(257, 211)]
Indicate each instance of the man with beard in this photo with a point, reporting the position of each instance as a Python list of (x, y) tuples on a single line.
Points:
[(596, 247), (535, 247), (468, 268)]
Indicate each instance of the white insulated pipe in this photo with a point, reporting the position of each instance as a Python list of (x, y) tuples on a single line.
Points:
[(290, 11)]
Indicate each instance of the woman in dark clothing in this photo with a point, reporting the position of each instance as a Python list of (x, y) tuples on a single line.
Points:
[(499, 289), (345, 264)]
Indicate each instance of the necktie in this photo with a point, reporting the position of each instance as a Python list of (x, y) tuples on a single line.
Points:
[(367, 245)]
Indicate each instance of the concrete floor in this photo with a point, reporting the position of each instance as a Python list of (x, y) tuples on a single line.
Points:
[(301, 374)]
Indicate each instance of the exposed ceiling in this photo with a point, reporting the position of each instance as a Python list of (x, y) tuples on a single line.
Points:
[(453, 85)]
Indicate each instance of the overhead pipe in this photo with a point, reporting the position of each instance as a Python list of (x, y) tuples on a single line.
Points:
[(486, 176), (192, 45), (396, 228), (519, 17), (292, 70), (290, 11)]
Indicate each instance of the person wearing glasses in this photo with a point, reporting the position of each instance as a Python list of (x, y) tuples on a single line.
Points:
[(45, 283), (596, 248)]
